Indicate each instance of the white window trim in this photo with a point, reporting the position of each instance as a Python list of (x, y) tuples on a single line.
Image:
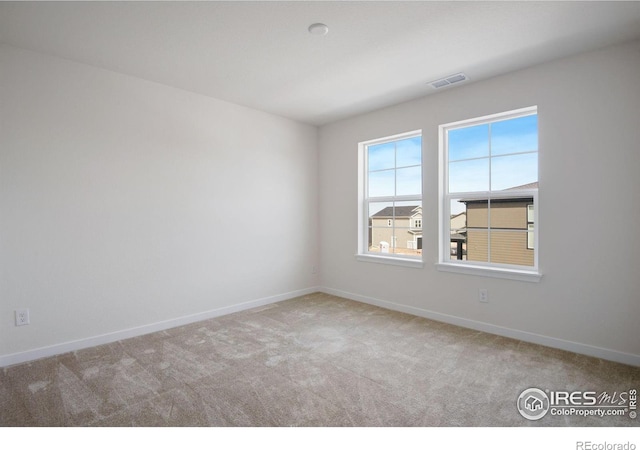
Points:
[(490, 272), (493, 270), (362, 252), (392, 260)]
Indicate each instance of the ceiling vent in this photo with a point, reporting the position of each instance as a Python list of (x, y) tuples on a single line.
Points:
[(451, 79)]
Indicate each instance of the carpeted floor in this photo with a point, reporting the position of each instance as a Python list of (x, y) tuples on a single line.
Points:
[(317, 360)]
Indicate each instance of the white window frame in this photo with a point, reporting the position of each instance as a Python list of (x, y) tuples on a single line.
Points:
[(363, 253), (489, 269)]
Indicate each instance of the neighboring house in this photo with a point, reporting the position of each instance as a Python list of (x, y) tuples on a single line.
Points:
[(459, 235), (399, 230), (459, 222), (511, 229), (399, 227)]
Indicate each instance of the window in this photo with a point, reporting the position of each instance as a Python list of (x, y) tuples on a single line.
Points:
[(390, 200), (489, 177)]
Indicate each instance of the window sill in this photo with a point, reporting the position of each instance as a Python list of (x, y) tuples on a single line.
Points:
[(392, 260), (493, 272)]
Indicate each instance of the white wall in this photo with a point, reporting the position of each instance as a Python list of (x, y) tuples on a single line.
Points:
[(589, 124), (125, 203)]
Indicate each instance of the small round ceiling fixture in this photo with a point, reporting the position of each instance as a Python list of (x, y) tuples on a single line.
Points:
[(318, 29)]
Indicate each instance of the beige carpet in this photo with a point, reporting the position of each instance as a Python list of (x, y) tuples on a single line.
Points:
[(317, 360)]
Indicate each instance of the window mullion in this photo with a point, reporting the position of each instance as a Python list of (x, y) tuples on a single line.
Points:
[(489, 198), (400, 198), (392, 244)]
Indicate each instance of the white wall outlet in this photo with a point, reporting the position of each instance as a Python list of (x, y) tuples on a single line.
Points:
[(22, 317), (483, 295)]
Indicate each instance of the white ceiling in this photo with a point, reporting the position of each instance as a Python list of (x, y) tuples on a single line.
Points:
[(259, 54)]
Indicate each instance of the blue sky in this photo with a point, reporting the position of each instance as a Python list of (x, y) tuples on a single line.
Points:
[(493, 157), (405, 156), (487, 157)]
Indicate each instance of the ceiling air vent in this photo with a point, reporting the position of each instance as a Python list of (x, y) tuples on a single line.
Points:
[(451, 79)]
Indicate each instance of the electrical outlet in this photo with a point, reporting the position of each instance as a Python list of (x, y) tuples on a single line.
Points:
[(483, 295), (22, 317), (314, 270)]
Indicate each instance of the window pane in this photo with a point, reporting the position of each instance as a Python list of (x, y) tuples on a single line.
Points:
[(469, 176), (513, 171), (382, 183), (458, 246), (458, 230), (476, 237), (469, 142), (407, 238), (392, 227), (381, 221), (409, 152), (514, 135), (381, 156), (409, 181), (509, 213), (380, 210), (458, 206), (510, 247), (477, 214), (477, 245)]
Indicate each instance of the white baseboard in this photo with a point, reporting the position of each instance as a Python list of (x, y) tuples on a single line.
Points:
[(575, 347), (65, 347)]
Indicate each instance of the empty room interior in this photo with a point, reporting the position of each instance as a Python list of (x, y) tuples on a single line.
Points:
[(319, 214)]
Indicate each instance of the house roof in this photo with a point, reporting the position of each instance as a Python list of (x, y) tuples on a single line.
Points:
[(400, 211), (533, 185), (458, 237), (499, 200)]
